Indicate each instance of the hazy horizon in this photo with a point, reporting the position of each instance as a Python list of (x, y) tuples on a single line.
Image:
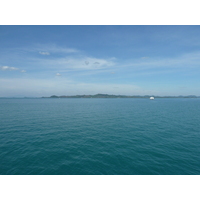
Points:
[(40, 61), (147, 95)]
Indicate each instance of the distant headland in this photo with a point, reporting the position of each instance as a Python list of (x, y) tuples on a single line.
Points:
[(119, 96)]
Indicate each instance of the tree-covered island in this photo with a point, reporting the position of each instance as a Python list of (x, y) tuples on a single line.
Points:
[(118, 96)]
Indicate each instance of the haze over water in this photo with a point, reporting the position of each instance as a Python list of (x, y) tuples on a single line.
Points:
[(100, 136)]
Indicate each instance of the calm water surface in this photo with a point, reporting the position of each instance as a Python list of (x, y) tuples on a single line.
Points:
[(100, 136)]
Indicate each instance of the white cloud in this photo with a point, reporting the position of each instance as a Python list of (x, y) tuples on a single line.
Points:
[(7, 68), (186, 61), (53, 49), (89, 64), (43, 49), (75, 63), (61, 60), (4, 68), (44, 53), (58, 74)]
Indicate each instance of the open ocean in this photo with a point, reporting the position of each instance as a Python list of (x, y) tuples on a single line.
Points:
[(100, 136)]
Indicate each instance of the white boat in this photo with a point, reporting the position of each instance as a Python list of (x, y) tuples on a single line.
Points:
[(151, 98)]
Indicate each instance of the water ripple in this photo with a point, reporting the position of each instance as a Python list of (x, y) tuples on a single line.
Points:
[(99, 136)]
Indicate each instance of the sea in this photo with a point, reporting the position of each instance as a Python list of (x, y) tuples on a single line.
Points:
[(100, 136)]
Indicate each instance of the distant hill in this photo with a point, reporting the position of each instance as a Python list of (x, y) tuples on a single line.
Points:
[(119, 96)]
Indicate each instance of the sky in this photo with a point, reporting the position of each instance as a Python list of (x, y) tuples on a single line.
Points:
[(38, 61)]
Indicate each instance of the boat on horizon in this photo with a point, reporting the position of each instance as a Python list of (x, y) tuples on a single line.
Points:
[(151, 98)]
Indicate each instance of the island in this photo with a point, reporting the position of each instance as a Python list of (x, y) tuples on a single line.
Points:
[(119, 96)]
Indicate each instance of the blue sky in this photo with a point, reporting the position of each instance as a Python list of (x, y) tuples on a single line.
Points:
[(40, 61)]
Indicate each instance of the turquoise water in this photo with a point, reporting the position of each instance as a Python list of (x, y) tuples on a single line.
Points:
[(100, 136)]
